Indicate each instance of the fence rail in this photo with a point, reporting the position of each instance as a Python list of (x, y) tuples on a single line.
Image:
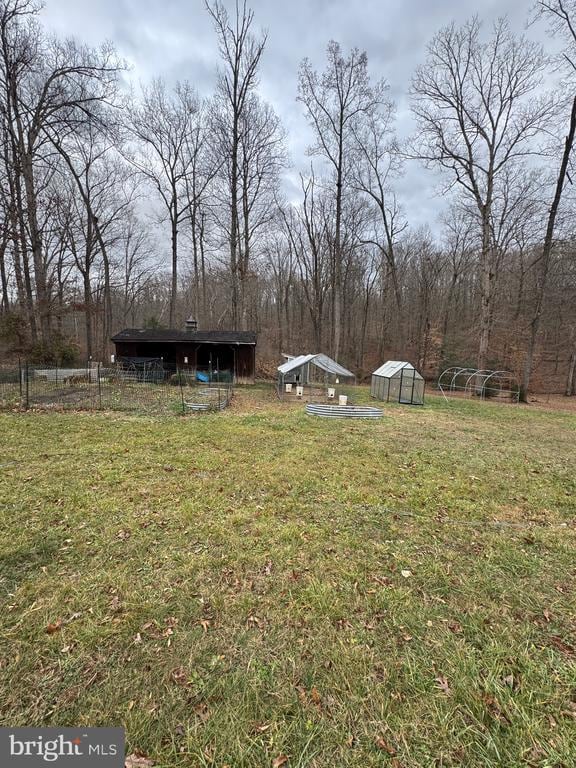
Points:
[(146, 389)]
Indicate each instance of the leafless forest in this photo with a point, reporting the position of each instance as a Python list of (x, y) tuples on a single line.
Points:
[(138, 205)]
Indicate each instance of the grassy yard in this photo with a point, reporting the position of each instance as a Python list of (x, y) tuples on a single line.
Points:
[(262, 588)]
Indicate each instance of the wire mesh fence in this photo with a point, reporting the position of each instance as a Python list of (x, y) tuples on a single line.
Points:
[(149, 387), (318, 392)]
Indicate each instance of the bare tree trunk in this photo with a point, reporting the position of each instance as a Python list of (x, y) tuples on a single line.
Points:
[(174, 243), (203, 269), (546, 254), (487, 278), (20, 255), (88, 313), (338, 248), (194, 229), (446, 318), (5, 297), (40, 281), (571, 377), (107, 293)]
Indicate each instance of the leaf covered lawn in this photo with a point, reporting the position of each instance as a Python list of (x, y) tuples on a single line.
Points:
[(262, 588)]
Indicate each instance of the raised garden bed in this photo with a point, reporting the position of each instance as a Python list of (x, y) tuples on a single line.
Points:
[(343, 411)]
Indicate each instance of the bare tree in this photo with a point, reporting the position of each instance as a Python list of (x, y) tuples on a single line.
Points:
[(478, 112), (48, 87), (163, 126), (335, 103), (240, 53), (562, 17), (203, 167), (306, 229), (459, 243), (378, 164)]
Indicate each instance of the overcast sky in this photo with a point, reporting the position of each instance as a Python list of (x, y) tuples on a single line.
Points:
[(174, 39)]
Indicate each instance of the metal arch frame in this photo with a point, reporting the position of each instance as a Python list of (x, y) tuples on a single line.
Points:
[(486, 374), (458, 371), (461, 372), (506, 376), (444, 372)]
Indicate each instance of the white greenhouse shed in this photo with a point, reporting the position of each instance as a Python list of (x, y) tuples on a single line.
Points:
[(398, 382), (310, 371)]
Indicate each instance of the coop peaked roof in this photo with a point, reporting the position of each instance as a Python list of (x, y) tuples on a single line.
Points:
[(320, 361), (392, 367)]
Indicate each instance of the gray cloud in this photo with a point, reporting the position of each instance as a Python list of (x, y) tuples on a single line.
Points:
[(174, 39)]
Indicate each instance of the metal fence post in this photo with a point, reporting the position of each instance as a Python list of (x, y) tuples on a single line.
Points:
[(179, 374), (27, 399), (99, 386)]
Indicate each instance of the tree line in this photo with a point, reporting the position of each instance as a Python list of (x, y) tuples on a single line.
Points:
[(140, 206)]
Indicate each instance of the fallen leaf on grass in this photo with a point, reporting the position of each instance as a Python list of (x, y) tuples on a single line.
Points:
[(381, 743), (294, 576), (115, 604), (201, 710), (261, 727), (67, 648), (315, 696), (136, 760), (562, 646), (279, 761), (494, 708), (54, 626), (179, 676), (406, 574), (443, 684), (510, 681)]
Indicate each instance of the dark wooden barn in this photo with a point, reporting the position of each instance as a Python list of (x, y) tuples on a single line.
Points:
[(206, 351)]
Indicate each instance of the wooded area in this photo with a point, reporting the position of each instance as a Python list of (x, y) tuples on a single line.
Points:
[(96, 180)]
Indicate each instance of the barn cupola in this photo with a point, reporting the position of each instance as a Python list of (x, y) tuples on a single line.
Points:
[(191, 325)]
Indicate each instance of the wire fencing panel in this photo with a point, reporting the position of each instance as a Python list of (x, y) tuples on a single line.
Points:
[(146, 388), (11, 387)]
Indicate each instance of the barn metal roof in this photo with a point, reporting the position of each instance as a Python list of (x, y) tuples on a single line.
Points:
[(320, 361), (392, 367), (176, 335)]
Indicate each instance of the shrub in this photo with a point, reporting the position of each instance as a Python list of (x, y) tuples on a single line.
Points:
[(59, 351)]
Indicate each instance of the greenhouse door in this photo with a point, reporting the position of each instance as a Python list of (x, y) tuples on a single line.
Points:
[(406, 386)]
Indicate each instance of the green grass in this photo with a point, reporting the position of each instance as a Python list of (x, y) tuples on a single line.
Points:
[(230, 586)]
